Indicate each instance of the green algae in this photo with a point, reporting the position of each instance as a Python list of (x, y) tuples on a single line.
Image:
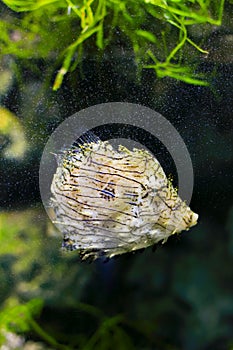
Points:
[(157, 32)]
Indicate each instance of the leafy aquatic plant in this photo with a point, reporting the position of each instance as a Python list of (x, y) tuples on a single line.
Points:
[(16, 317), (61, 31), (25, 296), (19, 318)]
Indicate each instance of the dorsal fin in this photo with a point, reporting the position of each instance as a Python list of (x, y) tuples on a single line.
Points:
[(85, 138)]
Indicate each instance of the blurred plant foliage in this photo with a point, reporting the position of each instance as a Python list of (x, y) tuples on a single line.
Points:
[(12, 130), (34, 275), (16, 317), (61, 31), (28, 253)]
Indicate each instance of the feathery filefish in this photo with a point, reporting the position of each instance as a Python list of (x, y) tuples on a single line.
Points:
[(109, 202)]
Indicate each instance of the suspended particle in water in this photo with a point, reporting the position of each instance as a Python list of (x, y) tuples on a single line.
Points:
[(109, 202)]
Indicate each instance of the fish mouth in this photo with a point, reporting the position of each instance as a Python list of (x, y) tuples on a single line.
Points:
[(194, 219)]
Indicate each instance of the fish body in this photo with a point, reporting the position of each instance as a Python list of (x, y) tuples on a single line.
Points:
[(109, 202)]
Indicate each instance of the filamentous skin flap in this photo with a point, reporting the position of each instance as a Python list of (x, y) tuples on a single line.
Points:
[(109, 202)]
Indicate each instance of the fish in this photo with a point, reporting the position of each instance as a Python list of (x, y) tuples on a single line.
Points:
[(108, 201)]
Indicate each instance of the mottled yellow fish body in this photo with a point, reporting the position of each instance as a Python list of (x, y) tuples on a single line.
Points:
[(109, 202)]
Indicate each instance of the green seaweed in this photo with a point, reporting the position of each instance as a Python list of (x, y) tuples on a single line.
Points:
[(18, 318), (62, 31)]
